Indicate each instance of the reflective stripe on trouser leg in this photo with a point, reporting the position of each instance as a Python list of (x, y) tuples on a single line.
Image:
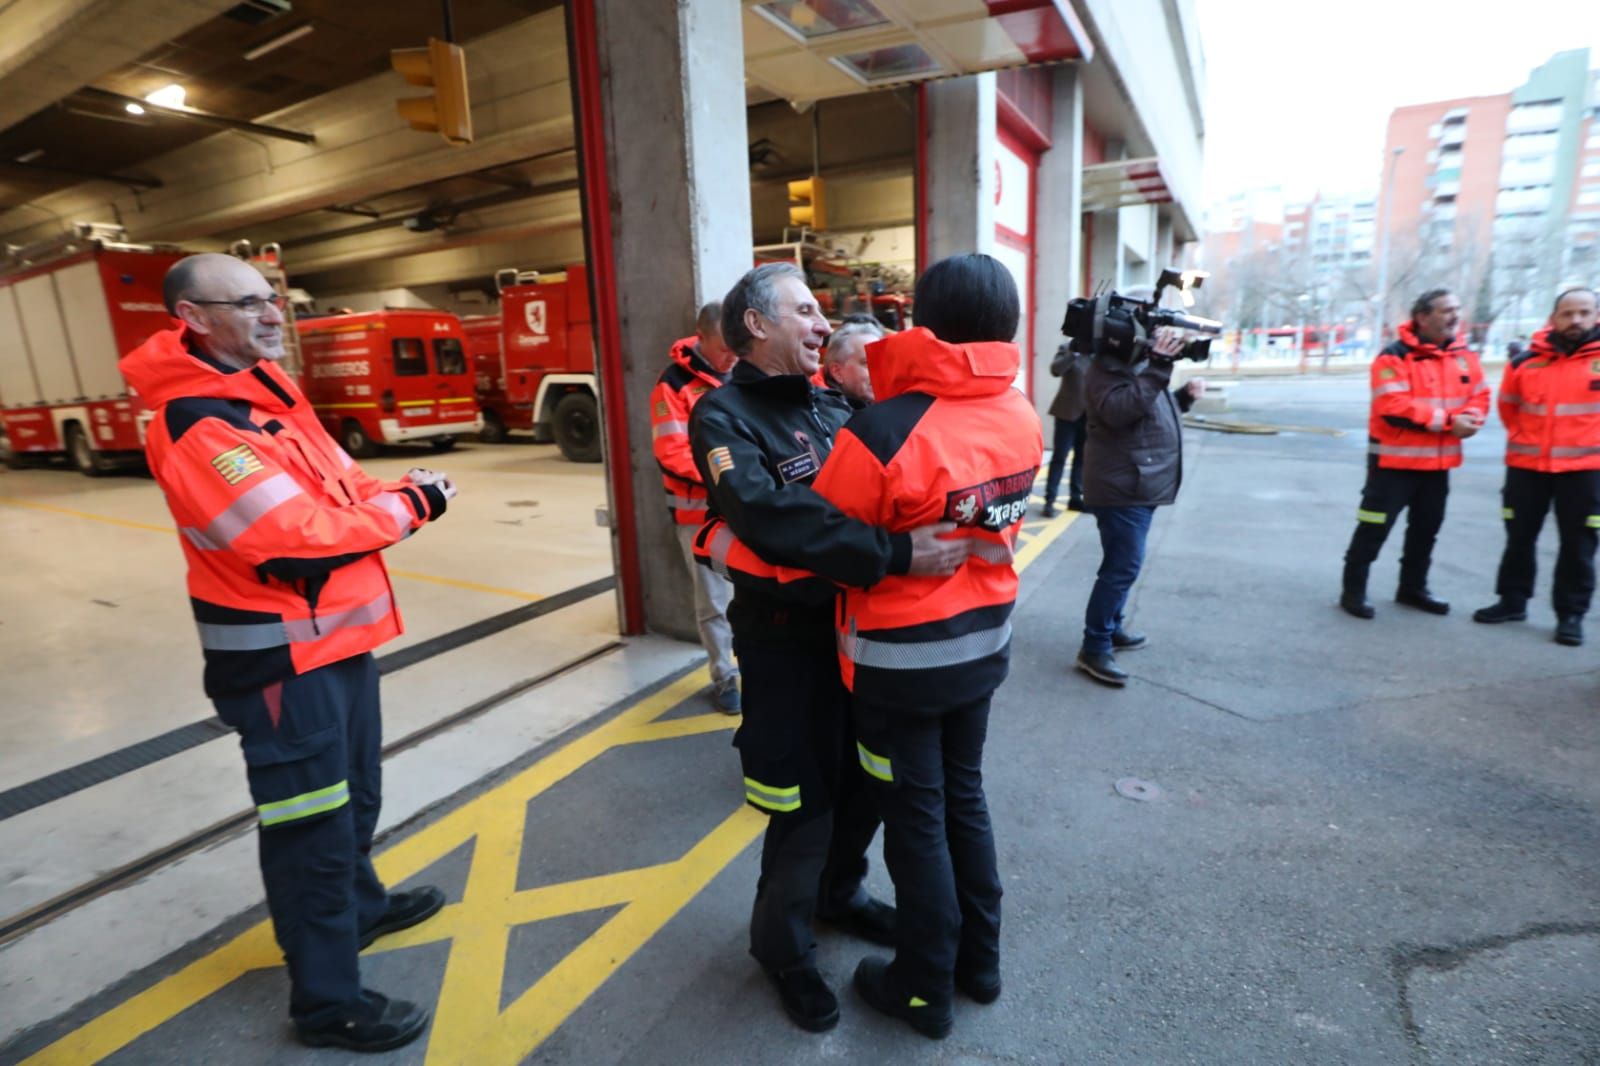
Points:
[(305, 805), (876, 765), (1377, 518), (770, 797), (1593, 521)]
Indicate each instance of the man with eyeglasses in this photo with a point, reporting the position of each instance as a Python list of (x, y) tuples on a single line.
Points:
[(281, 532)]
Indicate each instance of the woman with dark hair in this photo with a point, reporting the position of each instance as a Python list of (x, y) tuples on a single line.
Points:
[(949, 440)]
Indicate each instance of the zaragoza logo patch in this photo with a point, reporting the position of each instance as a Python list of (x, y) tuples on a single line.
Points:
[(236, 464)]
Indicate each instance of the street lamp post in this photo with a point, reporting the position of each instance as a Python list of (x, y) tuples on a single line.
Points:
[(1386, 216)]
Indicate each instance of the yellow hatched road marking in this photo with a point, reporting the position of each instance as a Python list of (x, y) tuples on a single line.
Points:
[(468, 1025), (410, 575)]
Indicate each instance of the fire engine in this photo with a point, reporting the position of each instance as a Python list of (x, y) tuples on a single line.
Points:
[(535, 362), (388, 377), (70, 307)]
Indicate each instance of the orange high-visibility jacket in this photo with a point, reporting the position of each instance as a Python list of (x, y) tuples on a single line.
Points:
[(1550, 404), (684, 381), (1417, 391), (280, 528)]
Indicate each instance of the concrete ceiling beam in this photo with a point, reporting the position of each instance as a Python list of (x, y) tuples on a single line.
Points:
[(51, 48), (545, 249)]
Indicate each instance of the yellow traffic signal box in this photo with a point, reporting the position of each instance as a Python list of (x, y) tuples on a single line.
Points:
[(443, 67), (805, 204)]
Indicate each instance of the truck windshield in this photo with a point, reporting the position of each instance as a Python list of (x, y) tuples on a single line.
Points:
[(448, 356), (410, 358)]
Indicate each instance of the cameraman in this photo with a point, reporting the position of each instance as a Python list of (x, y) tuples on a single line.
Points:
[(1133, 464)]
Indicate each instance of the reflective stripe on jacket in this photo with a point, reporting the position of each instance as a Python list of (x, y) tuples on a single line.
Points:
[(279, 527), (684, 381), (1417, 391), (1550, 404)]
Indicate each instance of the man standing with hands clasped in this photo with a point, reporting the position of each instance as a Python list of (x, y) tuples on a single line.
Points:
[(281, 532), (1428, 395)]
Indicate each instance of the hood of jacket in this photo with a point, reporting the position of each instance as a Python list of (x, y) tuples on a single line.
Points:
[(163, 369), (917, 361), (1425, 349), (1546, 343), (686, 353)]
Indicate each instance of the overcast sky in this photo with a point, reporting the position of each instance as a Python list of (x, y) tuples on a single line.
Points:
[(1299, 95)]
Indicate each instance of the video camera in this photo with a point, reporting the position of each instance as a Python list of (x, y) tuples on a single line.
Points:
[(1122, 327)]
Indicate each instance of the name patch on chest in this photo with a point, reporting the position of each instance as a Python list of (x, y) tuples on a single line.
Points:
[(798, 467), (993, 505)]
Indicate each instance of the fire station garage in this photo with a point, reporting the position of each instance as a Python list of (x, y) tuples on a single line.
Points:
[(483, 269)]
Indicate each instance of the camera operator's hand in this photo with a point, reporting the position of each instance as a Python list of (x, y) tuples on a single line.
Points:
[(1167, 343), (1465, 424), (933, 556), (1195, 387)]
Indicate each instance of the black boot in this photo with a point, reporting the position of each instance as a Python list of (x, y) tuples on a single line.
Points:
[(374, 1023), (1354, 597), (1422, 600), (877, 986), (807, 999), (1504, 610), (1569, 630)]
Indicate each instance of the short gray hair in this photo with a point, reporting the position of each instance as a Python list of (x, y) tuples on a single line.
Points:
[(869, 330), (758, 290)]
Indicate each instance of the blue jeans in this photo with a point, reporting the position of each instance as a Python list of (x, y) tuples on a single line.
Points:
[(1069, 437), (1122, 534)]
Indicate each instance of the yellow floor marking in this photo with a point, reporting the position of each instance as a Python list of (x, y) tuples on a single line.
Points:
[(468, 1025), (411, 575)]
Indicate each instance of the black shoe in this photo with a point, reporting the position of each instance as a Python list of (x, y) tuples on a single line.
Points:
[(1122, 640), (1102, 666), (1049, 509), (376, 1023), (1503, 611), (405, 910), (1076, 504), (1357, 606), (1422, 600), (872, 921), (807, 999), (978, 987), (1569, 630), (873, 985)]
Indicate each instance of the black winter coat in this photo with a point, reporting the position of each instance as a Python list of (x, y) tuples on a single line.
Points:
[(1134, 455)]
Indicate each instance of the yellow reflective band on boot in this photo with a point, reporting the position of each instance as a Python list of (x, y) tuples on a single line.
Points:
[(1376, 518), (876, 765), (770, 798), (918, 1001), (305, 805)]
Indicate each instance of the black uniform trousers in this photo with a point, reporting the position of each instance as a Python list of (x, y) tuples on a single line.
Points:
[(1386, 494), (1527, 498), (938, 841), (797, 721), (312, 746)]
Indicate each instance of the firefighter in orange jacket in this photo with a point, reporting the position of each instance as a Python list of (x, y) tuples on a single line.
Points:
[(699, 364), (1550, 404), (1428, 395), (281, 533)]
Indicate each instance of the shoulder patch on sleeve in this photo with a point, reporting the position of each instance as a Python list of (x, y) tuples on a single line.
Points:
[(236, 464), (182, 415), (1388, 372), (719, 461), (884, 427)]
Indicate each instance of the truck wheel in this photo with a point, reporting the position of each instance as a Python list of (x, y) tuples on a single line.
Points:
[(10, 456), (494, 430), (89, 462), (442, 444), (576, 424), (356, 441)]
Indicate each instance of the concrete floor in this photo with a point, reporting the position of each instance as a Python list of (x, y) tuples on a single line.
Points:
[(1370, 842)]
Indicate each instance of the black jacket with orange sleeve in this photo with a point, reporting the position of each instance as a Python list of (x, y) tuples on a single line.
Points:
[(279, 527)]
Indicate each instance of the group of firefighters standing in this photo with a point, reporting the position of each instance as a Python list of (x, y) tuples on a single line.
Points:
[(1428, 395)]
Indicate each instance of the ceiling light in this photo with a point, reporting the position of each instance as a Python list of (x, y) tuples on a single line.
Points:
[(134, 109), (169, 96), (279, 41), (30, 156)]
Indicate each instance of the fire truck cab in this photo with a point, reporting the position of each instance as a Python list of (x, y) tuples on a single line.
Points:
[(70, 307), (389, 377), (534, 362)]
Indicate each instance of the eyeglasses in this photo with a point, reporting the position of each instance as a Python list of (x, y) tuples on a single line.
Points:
[(254, 306)]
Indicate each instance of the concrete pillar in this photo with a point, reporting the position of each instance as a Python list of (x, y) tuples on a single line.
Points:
[(672, 89), (961, 167), (1058, 244), (1105, 238), (1166, 250)]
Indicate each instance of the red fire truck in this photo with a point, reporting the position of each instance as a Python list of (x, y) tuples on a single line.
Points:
[(535, 362), (388, 377), (69, 308)]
